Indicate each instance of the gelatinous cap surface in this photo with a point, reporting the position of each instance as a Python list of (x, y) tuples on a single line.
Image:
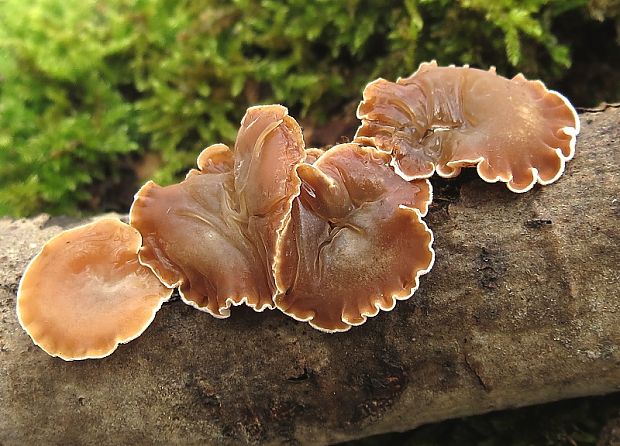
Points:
[(214, 234), (312, 154), (355, 241), (445, 118), (86, 292)]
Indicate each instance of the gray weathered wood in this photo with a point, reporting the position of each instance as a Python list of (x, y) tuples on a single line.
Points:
[(521, 308)]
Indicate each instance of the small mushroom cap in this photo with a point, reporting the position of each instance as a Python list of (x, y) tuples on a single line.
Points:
[(214, 159), (215, 234), (446, 118), (355, 242), (86, 292), (313, 154)]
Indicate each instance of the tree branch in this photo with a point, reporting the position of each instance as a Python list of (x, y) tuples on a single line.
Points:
[(521, 308)]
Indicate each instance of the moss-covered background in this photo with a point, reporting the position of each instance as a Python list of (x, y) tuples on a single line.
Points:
[(98, 96)]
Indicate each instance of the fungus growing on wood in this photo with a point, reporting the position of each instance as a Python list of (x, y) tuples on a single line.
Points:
[(214, 234), (355, 242), (86, 292), (328, 237), (445, 118)]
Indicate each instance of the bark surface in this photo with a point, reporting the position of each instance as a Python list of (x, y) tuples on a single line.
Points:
[(522, 307)]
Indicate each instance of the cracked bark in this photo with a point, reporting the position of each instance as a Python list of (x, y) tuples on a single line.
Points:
[(473, 368), (521, 308)]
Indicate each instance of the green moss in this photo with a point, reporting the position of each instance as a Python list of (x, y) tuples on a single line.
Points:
[(86, 85)]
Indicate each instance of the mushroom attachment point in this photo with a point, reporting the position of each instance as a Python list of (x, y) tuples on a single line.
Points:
[(355, 241), (445, 118), (214, 235), (86, 292)]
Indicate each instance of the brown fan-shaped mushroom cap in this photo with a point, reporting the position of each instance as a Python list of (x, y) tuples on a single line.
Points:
[(214, 234), (355, 242), (445, 118), (86, 292)]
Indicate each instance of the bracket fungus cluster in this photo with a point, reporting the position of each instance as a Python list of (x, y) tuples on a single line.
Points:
[(326, 236)]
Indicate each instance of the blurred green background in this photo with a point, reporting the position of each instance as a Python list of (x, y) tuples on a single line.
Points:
[(98, 96)]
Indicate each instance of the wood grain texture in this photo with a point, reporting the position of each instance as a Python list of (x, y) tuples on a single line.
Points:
[(522, 307)]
